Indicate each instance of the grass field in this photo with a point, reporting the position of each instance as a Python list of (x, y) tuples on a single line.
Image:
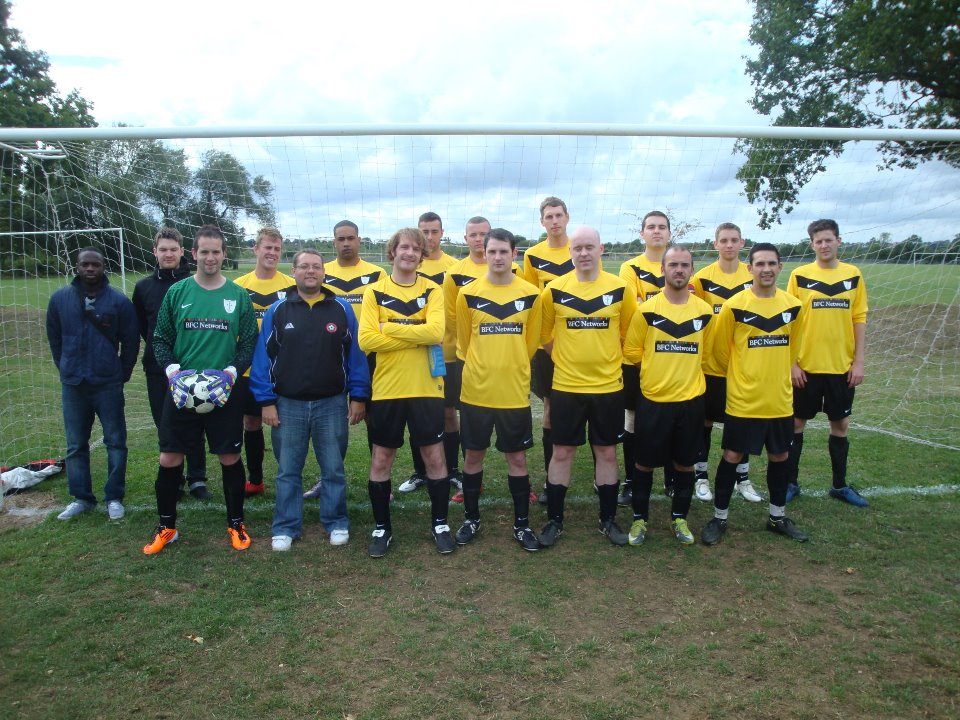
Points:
[(863, 621)]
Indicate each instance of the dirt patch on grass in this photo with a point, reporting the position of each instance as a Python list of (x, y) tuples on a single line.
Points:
[(27, 508)]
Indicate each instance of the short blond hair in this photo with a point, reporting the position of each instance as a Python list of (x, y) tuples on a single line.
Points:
[(268, 232)]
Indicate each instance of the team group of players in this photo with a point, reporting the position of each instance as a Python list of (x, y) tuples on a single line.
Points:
[(649, 359)]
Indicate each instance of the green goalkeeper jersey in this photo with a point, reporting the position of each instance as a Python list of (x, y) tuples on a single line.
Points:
[(199, 328)]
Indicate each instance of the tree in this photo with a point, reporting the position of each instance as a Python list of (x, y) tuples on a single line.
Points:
[(847, 63), (222, 191)]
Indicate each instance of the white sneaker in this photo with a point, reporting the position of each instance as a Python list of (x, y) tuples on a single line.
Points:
[(412, 483), (77, 507), (281, 543), (745, 489), (313, 492), (702, 490), (339, 537), (115, 510)]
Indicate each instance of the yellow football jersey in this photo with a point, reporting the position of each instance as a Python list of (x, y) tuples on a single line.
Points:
[(715, 287), (587, 322), (264, 293), (412, 319), (834, 300), (643, 277), (498, 330), (435, 269), (350, 281)]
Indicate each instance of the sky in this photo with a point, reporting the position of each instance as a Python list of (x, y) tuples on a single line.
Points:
[(198, 64)]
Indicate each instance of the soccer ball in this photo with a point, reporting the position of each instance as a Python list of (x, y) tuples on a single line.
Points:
[(198, 399)]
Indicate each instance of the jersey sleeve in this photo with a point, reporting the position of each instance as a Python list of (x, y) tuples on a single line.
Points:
[(534, 321), (723, 337), (247, 335), (369, 334), (636, 336), (860, 303), (627, 311), (464, 326), (547, 316), (428, 333), (450, 293)]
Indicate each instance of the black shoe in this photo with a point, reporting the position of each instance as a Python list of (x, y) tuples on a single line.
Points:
[(668, 490), (613, 531), (784, 526), (528, 541), (551, 531), (625, 499), (441, 536), (713, 531), (456, 479), (793, 491), (542, 497), (379, 542), (468, 531), (199, 491)]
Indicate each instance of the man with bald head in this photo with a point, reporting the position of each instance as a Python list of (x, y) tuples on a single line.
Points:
[(585, 318)]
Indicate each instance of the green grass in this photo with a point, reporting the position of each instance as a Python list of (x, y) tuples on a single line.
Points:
[(862, 621)]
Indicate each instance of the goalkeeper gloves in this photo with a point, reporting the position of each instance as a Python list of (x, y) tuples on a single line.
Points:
[(220, 385), (178, 390)]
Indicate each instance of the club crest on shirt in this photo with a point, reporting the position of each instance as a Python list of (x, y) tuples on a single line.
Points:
[(786, 316), (847, 284), (331, 327), (281, 294), (364, 279), (229, 305), (421, 302), (607, 299), (697, 324), (519, 304)]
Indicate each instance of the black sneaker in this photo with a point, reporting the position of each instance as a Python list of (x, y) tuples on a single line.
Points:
[(668, 490), (784, 526), (625, 499), (528, 541), (199, 491), (542, 497), (456, 480), (551, 531), (713, 531), (379, 542), (443, 539), (468, 531), (613, 531)]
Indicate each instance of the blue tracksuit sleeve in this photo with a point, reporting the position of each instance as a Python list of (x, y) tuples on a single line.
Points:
[(261, 384), (358, 372)]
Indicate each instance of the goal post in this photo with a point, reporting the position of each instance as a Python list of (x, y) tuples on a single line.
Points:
[(126, 182)]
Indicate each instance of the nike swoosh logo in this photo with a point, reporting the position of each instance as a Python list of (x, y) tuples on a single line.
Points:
[(811, 284), (713, 289), (238, 444), (541, 267), (479, 306), (387, 302), (187, 305), (657, 322), (564, 301), (748, 319)]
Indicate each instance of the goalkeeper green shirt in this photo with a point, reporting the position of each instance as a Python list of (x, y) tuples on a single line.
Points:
[(200, 328)]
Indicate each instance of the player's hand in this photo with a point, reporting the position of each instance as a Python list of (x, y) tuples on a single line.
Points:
[(356, 412), (855, 374), (797, 376), (221, 383), (178, 391), (268, 413)]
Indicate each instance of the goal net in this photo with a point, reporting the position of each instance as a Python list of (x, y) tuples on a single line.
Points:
[(902, 227)]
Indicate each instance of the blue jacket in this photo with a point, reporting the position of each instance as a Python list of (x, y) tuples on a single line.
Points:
[(82, 352), (308, 353)]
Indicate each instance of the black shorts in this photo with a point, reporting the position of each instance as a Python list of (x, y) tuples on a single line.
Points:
[(631, 386), (423, 416), (182, 431), (452, 383), (715, 399), (541, 374), (514, 428), (826, 393), (751, 435), (571, 413), (668, 431), (241, 388)]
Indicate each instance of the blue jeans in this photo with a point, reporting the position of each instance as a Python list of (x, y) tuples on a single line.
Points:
[(80, 404), (325, 422)]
